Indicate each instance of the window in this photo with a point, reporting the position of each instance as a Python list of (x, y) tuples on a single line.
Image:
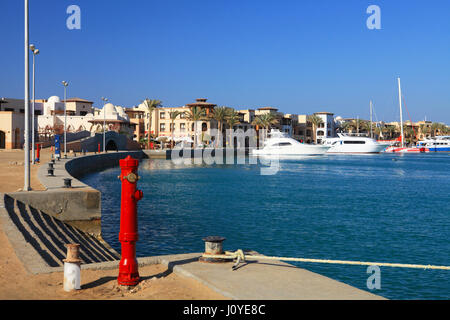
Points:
[(162, 127), (354, 142), (162, 115), (320, 133), (182, 115), (182, 127)]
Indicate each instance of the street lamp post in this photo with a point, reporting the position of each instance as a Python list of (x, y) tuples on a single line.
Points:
[(35, 53), (104, 124), (26, 146), (65, 84)]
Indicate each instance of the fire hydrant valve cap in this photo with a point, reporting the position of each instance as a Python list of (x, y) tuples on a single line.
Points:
[(129, 162)]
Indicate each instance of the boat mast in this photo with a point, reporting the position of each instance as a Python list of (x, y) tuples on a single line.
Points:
[(401, 114), (371, 135)]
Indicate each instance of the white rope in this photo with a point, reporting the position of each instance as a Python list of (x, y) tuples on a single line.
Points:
[(240, 256)]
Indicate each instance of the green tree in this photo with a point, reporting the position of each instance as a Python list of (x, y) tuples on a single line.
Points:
[(345, 126), (220, 114), (364, 125), (173, 115), (151, 104), (232, 119), (196, 114), (316, 121), (265, 121)]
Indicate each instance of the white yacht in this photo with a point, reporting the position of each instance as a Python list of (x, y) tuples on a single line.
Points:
[(353, 143), (280, 143)]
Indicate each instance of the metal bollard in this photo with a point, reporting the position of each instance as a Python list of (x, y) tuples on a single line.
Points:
[(67, 183), (213, 245), (72, 268), (128, 235), (50, 169)]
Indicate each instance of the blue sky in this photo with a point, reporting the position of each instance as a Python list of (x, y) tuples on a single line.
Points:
[(298, 56)]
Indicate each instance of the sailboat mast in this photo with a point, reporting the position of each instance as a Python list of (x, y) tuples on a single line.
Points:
[(371, 134), (401, 114)]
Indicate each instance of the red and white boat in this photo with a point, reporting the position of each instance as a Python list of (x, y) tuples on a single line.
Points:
[(397, 149)]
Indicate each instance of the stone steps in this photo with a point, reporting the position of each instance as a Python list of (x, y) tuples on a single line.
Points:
[(48, 236)]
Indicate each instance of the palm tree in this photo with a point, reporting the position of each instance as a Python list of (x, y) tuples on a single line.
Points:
[(408, 131), (265, 121), (196, 114), (363, 125), (173, 115), (258, 123), (220, 114), (346, 126), (392, 131), (151, 105), (434, 128), (232, 119), (316, 121), (378, 130)]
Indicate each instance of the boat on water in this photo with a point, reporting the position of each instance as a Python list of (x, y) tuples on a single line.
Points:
[(399, 149), (399, 145), (436, 144), (279, 143), (354, 143)]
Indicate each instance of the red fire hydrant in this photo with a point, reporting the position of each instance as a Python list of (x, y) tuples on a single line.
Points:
[(38, 152), (128, 235)]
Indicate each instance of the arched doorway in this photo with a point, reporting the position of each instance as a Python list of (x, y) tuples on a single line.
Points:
[(111, 145), (2, 140)]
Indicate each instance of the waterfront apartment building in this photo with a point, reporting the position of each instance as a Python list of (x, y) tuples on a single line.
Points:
[(301, 128), (326, 129), (12, 122), (160, 125)]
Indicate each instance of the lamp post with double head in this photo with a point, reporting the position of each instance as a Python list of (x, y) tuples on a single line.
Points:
[(35, 53), (65, 84), (26, 186)]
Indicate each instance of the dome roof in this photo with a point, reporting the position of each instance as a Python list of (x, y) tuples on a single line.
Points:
[(120, 110), (53, 99), (109, 109)]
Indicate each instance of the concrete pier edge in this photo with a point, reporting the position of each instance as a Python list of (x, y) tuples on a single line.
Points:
[(238, 285)]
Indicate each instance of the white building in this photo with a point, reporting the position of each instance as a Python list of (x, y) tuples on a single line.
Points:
[(52, 120), (327, 129)]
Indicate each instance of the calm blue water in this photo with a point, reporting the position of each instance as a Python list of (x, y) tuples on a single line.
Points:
[(384, 208)]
